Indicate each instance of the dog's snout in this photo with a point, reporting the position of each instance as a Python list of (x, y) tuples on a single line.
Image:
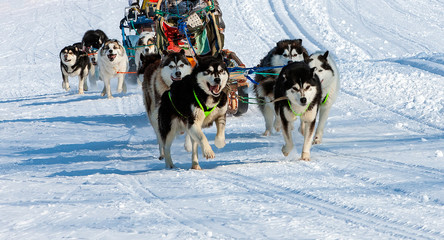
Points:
[(289, 62), (217, 80), (178, 74), (303, 100)]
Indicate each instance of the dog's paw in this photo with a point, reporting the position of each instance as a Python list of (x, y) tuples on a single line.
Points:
[(286, 149), (219, 142), (317, 140), (81, 92), (208, 153), (196, 167), (305, 156), (266, 133), (119, 90)]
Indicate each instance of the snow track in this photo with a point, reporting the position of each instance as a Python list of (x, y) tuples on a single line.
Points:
[(85, 167)]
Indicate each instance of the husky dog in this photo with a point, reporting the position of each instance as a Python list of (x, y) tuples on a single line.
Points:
[(328, 73), (195, 103), (92, 41), (74, 62), (159, 74), (112, 62), (284, 52), (145, 45), (302, 87)]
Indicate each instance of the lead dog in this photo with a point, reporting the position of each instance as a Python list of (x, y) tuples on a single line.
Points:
[(74, 62), (112, 63), (194, 103), (328, 74), (284, 52), (302, 87), (159, 74)]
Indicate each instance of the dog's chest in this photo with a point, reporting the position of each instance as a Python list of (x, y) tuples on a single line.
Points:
[(70, 71)]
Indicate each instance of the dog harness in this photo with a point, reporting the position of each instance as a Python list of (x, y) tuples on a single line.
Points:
[(297, 114), (325, 99), (201, 107)]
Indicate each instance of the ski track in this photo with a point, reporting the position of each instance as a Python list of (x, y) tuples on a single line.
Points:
[(382, 224)]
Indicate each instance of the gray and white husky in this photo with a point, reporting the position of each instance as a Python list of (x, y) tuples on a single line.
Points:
[(328, 74), (194, 103), (284, 52), (159, 74), (302, 88)]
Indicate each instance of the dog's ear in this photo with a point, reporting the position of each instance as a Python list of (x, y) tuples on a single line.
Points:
[(182, 52), (325, 55), (298, 41), (312, 70), (164, 53)]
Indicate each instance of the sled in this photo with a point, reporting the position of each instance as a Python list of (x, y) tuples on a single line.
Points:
[(185, 30)]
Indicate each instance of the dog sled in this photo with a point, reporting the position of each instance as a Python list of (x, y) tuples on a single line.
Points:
[(194, 26)]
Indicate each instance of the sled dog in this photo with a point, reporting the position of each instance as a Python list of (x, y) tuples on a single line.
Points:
[(194, 103), (92, 41), (328, 74), (145, 45), (112, 62), (74, 62), (284, 52), (302, 87), (159, 74)]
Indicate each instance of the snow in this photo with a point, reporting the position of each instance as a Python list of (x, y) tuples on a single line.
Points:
[(85, 167)]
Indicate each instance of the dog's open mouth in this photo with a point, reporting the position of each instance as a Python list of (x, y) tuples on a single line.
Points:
[(215, 90), (111, 57), (176, 78)]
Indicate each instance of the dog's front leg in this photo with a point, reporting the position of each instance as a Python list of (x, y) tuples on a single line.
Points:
[(323, 116), (121, 86), (219, 141), (288, 136), (65, 83), (107, 88), (194, 156), (308, 137), (195, 132), (82, 84), (167, 149), (268, 116)]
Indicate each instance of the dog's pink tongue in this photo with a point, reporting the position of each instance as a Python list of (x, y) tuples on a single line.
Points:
[(215, 88)]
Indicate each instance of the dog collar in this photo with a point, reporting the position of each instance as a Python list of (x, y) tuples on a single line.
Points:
[(325, 99), (205, 112), (297, 114)]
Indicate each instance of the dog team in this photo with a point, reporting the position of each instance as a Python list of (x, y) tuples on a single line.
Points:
[(182, 99)]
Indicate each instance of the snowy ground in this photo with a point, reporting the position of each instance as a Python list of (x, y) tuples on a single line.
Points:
[(85, 167)]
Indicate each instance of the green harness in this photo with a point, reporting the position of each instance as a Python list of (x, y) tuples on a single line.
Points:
[(197, 99), (297, 114)]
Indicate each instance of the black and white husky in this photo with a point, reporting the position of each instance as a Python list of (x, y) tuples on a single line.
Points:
[(302, 87), (159, 74), (284, 52), (112, 63), (195, 103), (146, 45), (328, 74), (92, 41), (74, 62)]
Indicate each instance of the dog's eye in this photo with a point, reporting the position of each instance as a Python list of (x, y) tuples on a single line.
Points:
[(307, 87), (181, 65), (221, 71), (285, 55), (320, 70), (171, 66)]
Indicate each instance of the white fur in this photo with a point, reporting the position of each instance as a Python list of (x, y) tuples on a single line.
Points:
[(92, 76), (110, 69), (206, 80), (330, 84)]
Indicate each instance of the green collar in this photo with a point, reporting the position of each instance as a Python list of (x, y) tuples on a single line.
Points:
[(201, 107), (297, 114), (325, 99)]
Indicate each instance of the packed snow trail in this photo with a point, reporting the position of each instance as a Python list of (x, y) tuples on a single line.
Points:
[(85, 167)]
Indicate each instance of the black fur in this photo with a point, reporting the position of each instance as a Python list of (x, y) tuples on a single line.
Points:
[(82, 61), (93, 39), (183, 97)]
